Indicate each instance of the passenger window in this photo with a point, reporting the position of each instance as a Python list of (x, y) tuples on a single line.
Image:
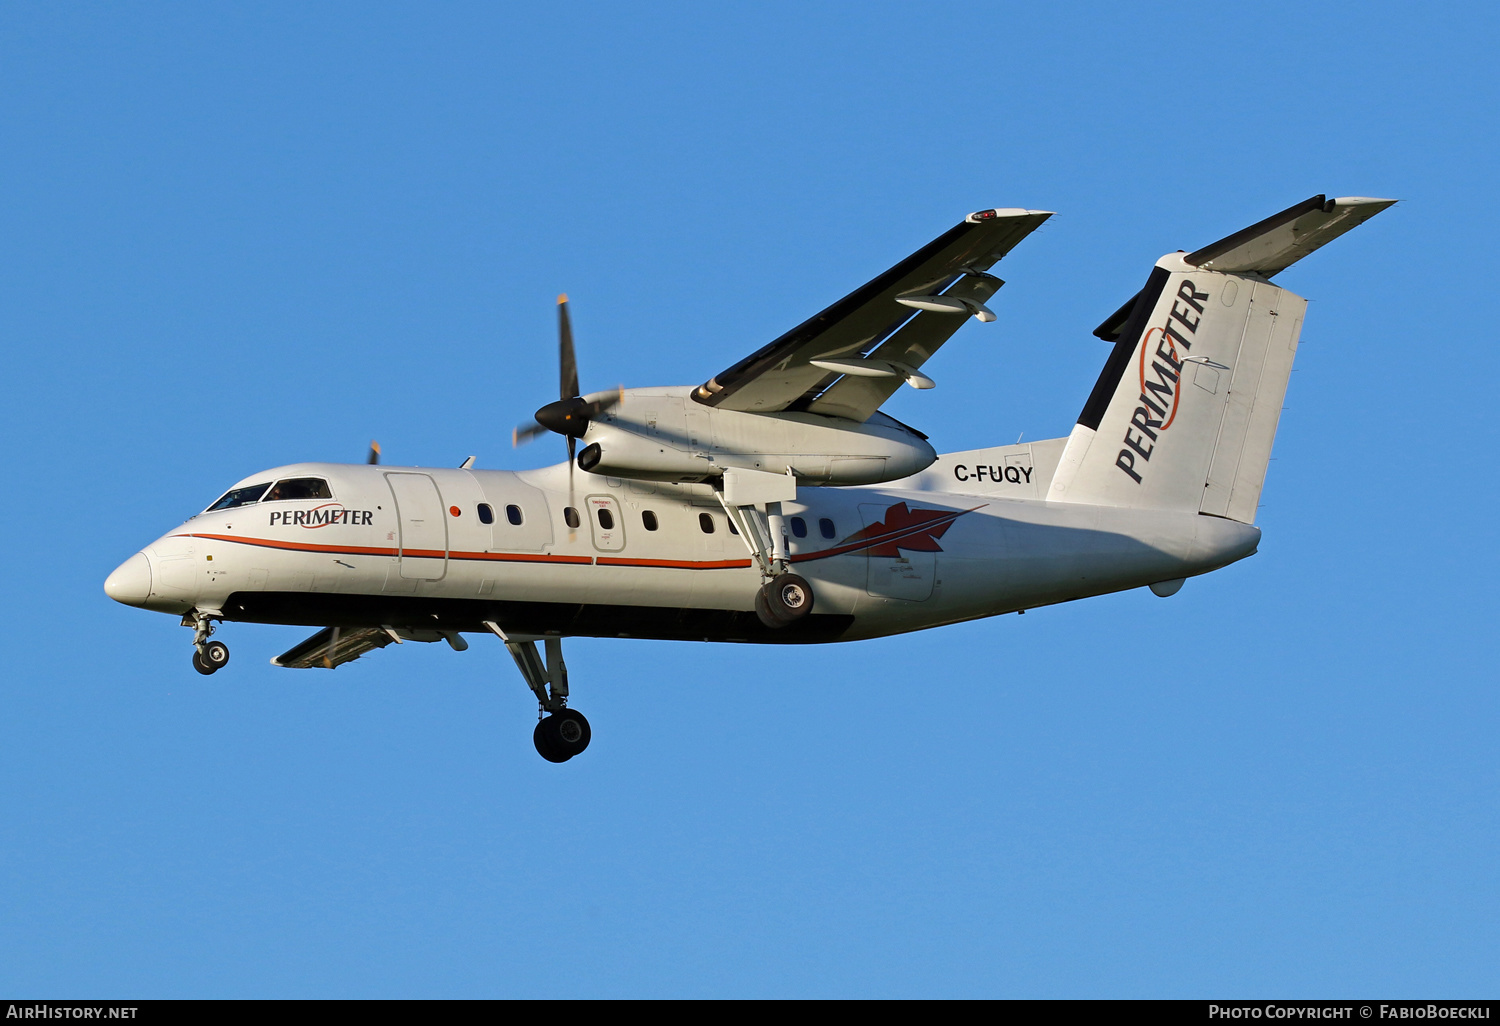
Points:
[(706, 523), (648, 519), (513, 514), (299, 488), (486, 514), (732, 528), (240, 496), (606, 520), (826, 527), (570, 517), (799, 527)]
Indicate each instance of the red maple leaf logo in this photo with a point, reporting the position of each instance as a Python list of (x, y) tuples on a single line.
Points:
[(916, 530)]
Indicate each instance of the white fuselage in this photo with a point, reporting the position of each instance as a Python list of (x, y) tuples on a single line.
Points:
[(408, 548)]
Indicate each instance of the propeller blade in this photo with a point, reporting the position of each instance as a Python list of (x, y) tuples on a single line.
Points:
[(569, 416), (525, 433), (590, 410), (567, 361), (374, 456), (572, 444)]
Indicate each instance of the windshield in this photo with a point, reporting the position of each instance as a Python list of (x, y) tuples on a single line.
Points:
[(240, 496), (300, 488)]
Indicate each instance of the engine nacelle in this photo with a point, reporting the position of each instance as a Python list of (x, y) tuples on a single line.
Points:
[(663, 435)]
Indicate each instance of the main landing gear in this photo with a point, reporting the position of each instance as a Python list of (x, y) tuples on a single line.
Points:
[(208, 656), (783, 600), (560, 733), (752, 501)]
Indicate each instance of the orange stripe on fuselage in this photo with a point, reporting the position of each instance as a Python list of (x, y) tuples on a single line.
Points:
[(480, 557), (539, 557), (681, 564), (272, 543), (365, 550)]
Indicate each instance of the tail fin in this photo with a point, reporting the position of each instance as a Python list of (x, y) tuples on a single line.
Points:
[(1183, 415)]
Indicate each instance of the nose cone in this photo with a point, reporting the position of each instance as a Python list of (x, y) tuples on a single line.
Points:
[(131, 581)]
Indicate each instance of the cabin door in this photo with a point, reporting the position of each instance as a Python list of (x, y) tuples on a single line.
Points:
[(423, 526)]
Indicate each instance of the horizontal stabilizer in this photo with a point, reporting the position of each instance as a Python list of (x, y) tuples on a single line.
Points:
[(333, 646), (1266, 247), (1282, 239)]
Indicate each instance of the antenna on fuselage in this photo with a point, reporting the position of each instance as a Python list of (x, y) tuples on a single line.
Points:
[(374, 456)]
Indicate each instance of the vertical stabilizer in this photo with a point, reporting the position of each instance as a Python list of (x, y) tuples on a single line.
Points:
[(1185, 411)]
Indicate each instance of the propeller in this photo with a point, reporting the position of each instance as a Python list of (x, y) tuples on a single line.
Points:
[(570, 415)]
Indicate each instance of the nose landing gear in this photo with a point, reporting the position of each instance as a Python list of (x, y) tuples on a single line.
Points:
[(208, 656), (213, 657)]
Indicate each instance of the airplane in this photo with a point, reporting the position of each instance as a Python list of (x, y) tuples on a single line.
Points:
[(775, 503)]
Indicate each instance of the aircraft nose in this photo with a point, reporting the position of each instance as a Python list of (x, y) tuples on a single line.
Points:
[(131, 581)]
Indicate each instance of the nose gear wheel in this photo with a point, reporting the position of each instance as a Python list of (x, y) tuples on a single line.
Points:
[(208, 656), (215, 654)]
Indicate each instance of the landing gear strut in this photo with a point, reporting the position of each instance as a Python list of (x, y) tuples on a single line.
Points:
[(752, 501), (560, 733), (208, 656)]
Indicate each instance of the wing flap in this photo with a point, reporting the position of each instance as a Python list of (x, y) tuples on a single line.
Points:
[(780, 373), (333, 646), (912, 345)]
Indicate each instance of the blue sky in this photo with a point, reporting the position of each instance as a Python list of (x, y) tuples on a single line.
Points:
[(233, 237)]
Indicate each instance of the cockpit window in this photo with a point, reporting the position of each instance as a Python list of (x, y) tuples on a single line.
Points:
[(240, 496), (299, 488)]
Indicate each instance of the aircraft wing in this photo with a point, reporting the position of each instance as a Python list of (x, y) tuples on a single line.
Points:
[(871, 341), (333, 646)]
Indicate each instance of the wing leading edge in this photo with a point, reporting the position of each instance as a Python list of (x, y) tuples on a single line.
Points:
[(871, 341)]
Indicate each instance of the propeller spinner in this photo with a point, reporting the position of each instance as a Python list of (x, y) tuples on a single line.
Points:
[(570, 415)]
